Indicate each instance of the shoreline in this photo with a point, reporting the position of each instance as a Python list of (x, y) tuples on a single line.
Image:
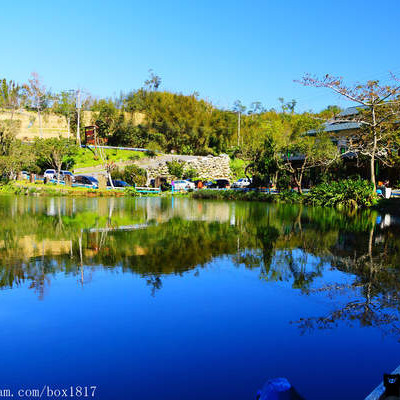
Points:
[(391, 206)]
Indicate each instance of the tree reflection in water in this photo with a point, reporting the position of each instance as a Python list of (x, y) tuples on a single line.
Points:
[(153, 237)]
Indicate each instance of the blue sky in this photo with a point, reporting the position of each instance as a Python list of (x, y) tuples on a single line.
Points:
[(225, 50)]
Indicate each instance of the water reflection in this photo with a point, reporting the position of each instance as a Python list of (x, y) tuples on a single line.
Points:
[(155, 237)]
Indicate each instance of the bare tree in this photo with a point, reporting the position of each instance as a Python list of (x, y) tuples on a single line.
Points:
[(154, 81), (108, 165), (37, 96), (377, 116)]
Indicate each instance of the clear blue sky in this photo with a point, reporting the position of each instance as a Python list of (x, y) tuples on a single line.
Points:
[(225, 50)]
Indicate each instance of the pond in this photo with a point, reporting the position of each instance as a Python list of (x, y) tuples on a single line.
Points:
[(173, 298)]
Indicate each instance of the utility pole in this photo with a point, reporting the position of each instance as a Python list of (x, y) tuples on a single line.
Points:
[(71, 96), (238, 135), (78, 106)]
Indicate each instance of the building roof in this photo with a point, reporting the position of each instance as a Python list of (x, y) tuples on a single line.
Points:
[(351, 111), (335, 127)]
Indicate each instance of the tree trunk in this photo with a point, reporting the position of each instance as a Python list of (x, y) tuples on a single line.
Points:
[(372, 168), (374, 147), (299, 187), (58, 174), (110, 180), (298, 181), (40, 124), (275, 181)]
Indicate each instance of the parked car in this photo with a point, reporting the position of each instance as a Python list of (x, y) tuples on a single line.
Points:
[(50, 174), (86, 180), (63, 174), (25, 174), (184, 185), (219, 184), (118, 183), (241, 183)]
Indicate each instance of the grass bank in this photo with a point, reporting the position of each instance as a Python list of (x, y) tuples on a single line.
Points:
[(346, 201), (85, 158), (34, 189), (285, 196)]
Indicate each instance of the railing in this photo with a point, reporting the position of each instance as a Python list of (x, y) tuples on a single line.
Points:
[(144, 189), (91, 146)]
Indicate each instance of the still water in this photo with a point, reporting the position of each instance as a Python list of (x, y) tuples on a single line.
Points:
[(155, 298)]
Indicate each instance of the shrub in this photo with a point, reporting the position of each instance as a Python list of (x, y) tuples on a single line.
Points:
[(134, 157), (152, 149), (134, 175), (116, 173), (345, 193), (238, 167), (176, 168), (190, 173), (131, 191), (151, 153), (290, 196), (233, 195)]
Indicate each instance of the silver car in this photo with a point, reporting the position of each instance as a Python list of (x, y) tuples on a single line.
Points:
[(241, 183), (184, 185)]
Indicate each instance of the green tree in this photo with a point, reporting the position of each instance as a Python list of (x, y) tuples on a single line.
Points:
[(265, 163), (54, 152), (134, 175), (10, 96), (18, 157), (65, 106), (8, 132), (105, 116), (176, 168), (306, 152), (14, 155)]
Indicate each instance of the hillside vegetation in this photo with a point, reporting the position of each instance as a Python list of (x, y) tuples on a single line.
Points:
[(277, 145)]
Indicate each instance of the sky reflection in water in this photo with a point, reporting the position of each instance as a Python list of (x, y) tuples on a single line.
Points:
[(173, 298)]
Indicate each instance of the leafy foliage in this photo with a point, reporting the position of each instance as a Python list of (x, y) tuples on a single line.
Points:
[(55, 152), (176, 168), (377, 117), (131, 191), (238, 166), (346, 193), (190, 173), (290, 196), (233, 195), (134, 175), (265, 162)]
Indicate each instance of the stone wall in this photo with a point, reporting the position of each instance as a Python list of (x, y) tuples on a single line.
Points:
[(208, 167)]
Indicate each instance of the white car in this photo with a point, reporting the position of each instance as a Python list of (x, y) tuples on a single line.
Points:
[(50, 173), (184, 185), (25, 174), (242, 183)]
